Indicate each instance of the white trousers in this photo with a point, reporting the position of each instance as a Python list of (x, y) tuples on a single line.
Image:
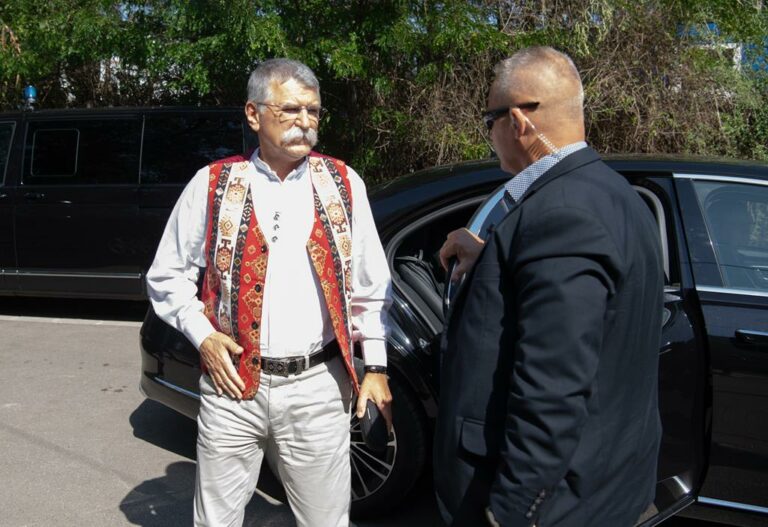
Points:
[(304, 419)]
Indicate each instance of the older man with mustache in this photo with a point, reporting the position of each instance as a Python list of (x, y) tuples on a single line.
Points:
[(293, 268)]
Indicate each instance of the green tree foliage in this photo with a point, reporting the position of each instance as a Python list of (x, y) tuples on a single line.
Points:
[(406, 80)]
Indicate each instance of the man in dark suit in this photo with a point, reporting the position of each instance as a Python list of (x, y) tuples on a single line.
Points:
[(548, 412)]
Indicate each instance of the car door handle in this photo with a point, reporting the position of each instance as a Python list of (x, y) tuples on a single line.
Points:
[(34, 195), (756, 338), (3, 196)]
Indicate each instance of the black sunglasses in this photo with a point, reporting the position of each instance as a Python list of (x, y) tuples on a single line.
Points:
[(490, 116)]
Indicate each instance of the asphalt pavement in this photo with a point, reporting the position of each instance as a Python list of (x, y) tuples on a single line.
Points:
[(81, 446)]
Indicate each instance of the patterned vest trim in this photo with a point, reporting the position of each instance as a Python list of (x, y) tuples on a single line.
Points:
[(237, 255)]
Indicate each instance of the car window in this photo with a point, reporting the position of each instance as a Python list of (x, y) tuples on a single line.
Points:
[(104, 151), (6, 135), (736, 215), (177, 145)]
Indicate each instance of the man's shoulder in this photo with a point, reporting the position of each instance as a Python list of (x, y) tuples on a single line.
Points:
[(231, 159), (585, 162), (325, 156), (580, 172), (342, 166), (346, 171), (590, 192), (594, 180)]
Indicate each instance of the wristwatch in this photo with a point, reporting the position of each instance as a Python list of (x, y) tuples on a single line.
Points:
[(375, 369)]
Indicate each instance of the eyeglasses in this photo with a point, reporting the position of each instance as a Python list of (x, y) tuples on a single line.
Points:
[(292, 112), (490, 116)]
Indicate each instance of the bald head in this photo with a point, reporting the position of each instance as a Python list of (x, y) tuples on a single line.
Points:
[(549, 77)]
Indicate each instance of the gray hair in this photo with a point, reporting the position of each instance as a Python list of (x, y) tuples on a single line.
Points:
[(536, 59), (280, 70)]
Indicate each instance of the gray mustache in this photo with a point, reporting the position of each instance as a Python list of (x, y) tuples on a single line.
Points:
[(296, 133)]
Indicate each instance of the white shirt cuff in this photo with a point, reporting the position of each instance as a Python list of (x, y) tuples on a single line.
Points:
[(375, 352), (197, 328)]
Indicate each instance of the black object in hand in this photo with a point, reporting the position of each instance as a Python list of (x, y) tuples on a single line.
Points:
[(374, 428)]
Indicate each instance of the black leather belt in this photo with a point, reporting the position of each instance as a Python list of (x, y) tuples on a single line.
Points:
[(295, 365)]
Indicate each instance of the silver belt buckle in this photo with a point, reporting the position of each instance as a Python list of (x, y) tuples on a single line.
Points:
[(302, 366)]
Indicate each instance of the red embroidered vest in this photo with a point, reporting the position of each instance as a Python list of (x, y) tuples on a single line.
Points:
[(237, 255)]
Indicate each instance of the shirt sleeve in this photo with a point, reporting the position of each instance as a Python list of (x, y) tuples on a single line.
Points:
[(172, 278), (371, 280)]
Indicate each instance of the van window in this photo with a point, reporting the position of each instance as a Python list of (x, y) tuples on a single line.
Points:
[(6, 135), (96, 151), (177, 145), (54, 153)]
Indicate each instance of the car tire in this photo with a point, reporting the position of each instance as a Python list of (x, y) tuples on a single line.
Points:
[(373, 491)]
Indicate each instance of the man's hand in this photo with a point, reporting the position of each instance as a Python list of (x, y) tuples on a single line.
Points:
[(376, 388), (217, 351), (465, 246)]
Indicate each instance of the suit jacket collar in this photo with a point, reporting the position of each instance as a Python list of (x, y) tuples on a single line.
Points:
[(569, 163)]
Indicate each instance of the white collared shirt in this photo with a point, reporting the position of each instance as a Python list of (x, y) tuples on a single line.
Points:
[(295, 319)]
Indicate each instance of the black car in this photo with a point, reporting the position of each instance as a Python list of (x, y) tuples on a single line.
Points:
[(713, 380), (85, 194)]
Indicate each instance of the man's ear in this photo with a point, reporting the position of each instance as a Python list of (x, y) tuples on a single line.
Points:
[(519, 122), (253, 116)]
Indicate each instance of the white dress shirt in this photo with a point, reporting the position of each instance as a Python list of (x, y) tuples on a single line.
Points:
[(295, 319)]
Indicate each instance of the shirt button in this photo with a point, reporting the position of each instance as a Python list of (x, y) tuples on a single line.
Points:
[(255, 325), (277, 227), (258, 288), (263, 248), (255, 360), (277, 216), (529, 515), (274, 238), (542, 493)]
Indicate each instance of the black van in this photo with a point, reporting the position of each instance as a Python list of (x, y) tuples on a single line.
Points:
[(85, 194)]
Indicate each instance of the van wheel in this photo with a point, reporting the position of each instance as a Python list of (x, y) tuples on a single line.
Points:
[(382, 479)]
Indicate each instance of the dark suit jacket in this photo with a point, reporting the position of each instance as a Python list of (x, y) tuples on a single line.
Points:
[(548, 407)]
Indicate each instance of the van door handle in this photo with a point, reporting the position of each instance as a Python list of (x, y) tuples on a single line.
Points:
[(756, 338), (34, 195)]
